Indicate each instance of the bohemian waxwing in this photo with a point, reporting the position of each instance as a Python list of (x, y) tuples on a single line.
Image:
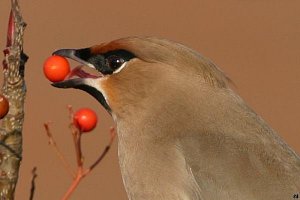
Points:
[(183, 134)]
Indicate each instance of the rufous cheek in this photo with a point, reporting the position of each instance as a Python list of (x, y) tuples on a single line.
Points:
[(110, 93)]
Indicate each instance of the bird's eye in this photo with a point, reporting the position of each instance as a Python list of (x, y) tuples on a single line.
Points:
[(114, 62)]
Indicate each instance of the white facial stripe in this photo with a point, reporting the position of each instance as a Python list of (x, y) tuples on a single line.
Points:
[(90, 65), (96, 83), (120, 68)]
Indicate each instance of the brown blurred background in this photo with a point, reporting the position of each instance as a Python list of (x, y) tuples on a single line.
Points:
[(257, 44)]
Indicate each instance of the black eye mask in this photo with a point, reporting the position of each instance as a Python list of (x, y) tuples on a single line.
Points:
[(108, 62)]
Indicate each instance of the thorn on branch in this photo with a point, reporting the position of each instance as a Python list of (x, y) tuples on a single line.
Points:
[(10, 29)]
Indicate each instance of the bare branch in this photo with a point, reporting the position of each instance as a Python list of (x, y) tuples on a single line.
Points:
[(76, 135), (14, 90)]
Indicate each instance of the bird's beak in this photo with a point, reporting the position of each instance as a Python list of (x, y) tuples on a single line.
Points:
[(81, 56), (84, 80), (78, 55)]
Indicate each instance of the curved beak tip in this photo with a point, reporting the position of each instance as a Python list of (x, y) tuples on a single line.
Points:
[(58, 85), (64, 52)]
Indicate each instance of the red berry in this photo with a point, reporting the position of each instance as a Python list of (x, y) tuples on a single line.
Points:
[(85, 119), (56, 68), (4, 106)]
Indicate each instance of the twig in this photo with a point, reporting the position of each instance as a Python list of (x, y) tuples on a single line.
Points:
[(77, 143), (76, 135), (81, 172), (74, 185), (34, 176), (105, 151), (57, 150)]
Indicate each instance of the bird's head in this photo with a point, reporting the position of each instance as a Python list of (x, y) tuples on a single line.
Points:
[(137, 72)]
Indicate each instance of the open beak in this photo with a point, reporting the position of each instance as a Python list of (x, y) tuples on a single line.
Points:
[(75, 54), (79, 55), (83, 80)]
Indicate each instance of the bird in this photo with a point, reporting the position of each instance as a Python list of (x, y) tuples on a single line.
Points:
[(183, 132)]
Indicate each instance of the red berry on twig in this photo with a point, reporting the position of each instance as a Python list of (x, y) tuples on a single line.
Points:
[(85, 119)]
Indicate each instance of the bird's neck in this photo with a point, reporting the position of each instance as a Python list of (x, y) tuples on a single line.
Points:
[(155, 170)]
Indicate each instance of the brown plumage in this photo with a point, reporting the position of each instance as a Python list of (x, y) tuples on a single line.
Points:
[(183, 133)]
